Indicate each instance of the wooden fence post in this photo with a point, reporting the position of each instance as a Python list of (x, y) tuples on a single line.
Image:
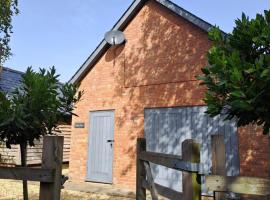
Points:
[(52, 158), (141, 173), (191, 181), (218, 160)]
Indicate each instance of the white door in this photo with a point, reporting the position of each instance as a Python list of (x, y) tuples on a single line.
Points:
[(100, 153)]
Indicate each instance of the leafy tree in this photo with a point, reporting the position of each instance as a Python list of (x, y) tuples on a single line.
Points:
[(8, 8), (35, 109), (238, 75)]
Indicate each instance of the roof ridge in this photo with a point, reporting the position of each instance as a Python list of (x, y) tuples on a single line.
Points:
[(12, 70)]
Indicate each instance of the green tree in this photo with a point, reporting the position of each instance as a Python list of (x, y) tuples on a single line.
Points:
[(8, 8), (238, 75), (35, 109)]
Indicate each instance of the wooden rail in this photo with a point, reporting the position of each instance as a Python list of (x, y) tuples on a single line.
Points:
[(220, 183), (49, 175), (239, 184), (26, 173), (189, 164), (170, 161)]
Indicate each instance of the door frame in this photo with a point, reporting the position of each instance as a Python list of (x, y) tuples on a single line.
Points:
[(88, 144)]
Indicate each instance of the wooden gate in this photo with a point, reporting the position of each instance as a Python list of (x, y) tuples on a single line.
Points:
[(189, 163), (192, 169)]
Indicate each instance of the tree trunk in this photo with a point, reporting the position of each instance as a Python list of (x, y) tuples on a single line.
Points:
[(23, 148), (269, 143)]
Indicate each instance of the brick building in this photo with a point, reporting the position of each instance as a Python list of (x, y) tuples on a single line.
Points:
[(147, 88)]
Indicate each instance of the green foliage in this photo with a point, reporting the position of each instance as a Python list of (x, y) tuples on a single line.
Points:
[(36, 107), (238, 74), (8, 8)]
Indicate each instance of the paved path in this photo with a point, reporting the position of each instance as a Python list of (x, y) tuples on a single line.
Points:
[(99, 189)]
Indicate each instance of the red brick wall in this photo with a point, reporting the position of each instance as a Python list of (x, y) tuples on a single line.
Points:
[(254, 154), (155, 68)]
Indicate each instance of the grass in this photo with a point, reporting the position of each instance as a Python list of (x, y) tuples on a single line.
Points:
[(10, 190)]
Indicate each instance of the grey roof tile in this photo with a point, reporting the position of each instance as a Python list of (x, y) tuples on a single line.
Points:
[(9, 79)]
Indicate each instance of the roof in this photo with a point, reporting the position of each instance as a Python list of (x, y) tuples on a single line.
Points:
[(9, 79), (122, 23)]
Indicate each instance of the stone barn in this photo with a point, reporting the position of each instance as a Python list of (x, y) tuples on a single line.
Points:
[(146, 87)]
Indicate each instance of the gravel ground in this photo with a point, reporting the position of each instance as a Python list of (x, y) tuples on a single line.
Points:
[(10, 190)]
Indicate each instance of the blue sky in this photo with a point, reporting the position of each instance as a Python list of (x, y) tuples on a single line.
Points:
[(63, 33)]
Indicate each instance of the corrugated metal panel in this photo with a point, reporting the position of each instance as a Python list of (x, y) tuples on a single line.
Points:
[(167, 128), (100, 156)]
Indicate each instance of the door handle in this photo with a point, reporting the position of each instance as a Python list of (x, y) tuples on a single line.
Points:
[(110, 140)]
